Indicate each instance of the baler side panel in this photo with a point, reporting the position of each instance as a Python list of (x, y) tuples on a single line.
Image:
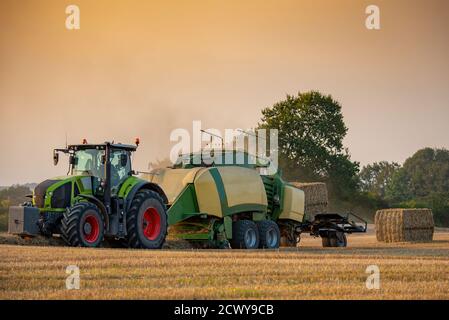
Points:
[(293, 201), (210, 193), (184, 206), (242, 186)]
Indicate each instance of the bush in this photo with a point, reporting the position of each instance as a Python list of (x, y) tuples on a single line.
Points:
[(3, 220), (438, 202)]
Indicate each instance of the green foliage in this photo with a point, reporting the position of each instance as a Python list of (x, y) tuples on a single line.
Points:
[(423, 182), (14, 195), (423, 174), (438, 202), (376, 177), (3, 220), (311, 133), (11, 196)]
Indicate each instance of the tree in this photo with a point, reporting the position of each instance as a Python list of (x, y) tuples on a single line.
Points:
[(374, 178), (423, 181), (14, 195), (311, 133), (423, 174)]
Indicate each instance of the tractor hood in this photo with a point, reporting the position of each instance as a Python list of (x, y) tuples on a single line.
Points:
[(58, 192)]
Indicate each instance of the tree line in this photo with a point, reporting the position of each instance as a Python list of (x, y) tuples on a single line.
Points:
[(14, 195)]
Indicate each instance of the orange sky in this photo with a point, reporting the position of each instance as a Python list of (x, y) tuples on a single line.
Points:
[(143, 68)]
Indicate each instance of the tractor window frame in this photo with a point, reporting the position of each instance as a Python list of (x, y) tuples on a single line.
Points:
[(119, 173)]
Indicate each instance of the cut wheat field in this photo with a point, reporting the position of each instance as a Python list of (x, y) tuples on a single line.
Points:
[(407, 271)]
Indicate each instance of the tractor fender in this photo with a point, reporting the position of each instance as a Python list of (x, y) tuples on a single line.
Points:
[(144, 185), (100, 205)]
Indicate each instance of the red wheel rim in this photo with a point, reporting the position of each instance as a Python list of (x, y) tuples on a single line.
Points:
[(151, 223), (91, 229)]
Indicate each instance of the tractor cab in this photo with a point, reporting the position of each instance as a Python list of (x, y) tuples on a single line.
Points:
[(108, 164)]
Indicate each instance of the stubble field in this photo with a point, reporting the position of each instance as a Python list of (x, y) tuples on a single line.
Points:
[(407, 271)]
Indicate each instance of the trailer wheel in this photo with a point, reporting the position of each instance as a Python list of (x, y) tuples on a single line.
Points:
[(326, 242), (146, 221), (338, 239), (269, 233), (82, 225), (245, 235)]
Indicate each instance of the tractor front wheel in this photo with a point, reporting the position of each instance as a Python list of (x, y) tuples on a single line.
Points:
[(82, 225), (146, 221)]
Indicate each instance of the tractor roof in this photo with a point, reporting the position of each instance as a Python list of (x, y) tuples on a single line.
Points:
[(101, 146)]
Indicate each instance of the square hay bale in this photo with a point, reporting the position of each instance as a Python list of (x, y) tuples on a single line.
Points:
[(404, 225), (316, 197)]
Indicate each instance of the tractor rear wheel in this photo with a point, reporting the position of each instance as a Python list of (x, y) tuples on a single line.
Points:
[(146, 221), (270, 235), (245, 235), (82, 225)]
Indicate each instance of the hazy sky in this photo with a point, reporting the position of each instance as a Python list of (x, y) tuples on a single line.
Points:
[(143, 68)]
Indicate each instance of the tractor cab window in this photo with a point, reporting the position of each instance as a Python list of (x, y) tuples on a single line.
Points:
[(88, 162), (120, 168)]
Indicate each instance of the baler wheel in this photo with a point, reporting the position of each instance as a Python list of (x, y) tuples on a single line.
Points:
[(82, 225), (146, 221), (245, 235), (270, 235)]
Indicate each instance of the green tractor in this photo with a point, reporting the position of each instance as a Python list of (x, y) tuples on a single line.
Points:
[(99, 200)]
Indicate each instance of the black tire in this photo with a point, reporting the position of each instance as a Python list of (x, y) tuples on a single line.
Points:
[(146, 221), (338, 240), (326, 242), (245, 235), (82, 225), (269, 234)]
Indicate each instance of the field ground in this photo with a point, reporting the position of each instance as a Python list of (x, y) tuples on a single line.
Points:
[(408, 271)]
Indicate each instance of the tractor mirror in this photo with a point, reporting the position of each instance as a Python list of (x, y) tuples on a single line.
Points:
[(123, 160), (55, 158)]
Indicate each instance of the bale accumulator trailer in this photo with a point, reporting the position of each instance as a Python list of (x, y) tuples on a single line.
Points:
[(214, 202)]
